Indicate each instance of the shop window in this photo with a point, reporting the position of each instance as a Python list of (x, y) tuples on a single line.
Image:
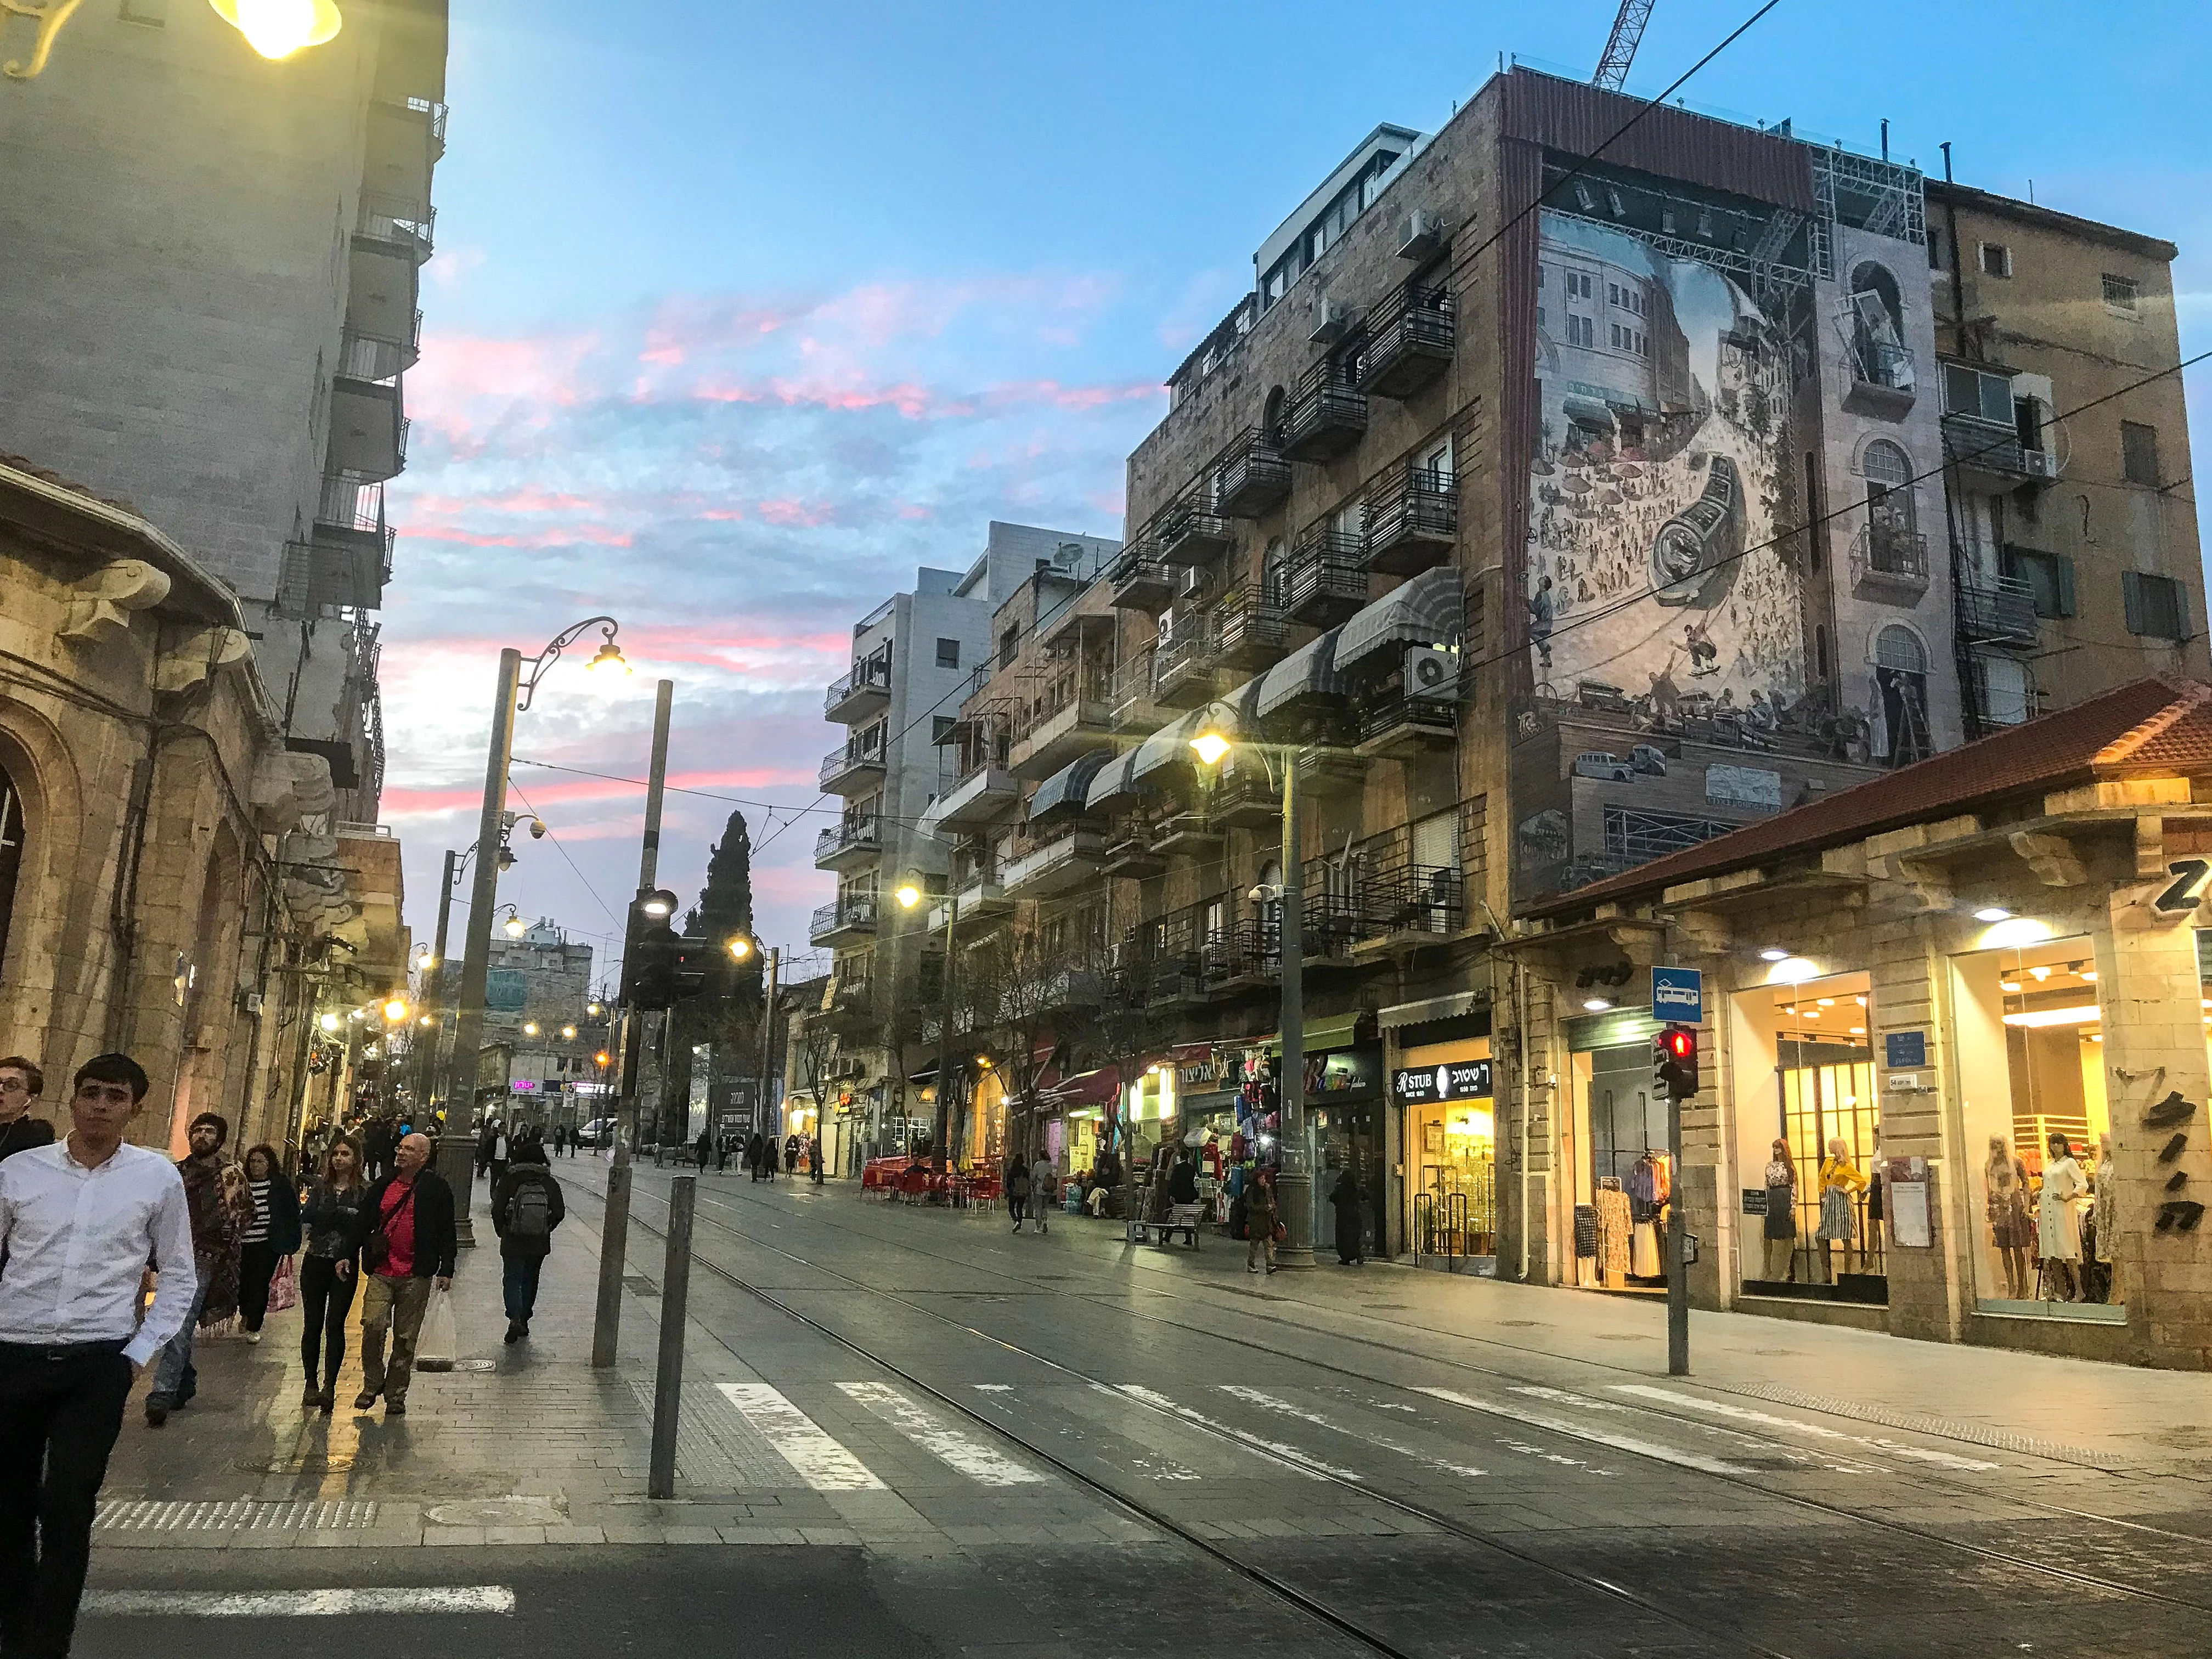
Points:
[(1450, 1148), (11, 854), (1623, 1181), (2028, 1035)]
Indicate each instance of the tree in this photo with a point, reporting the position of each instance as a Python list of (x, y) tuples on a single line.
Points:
[(724, 1017)]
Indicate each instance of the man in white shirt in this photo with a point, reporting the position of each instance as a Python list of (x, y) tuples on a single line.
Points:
[(79, 1221)]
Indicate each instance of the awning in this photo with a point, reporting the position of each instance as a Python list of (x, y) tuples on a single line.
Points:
[(1427, 610), (1066, 791), (1309, 672), (1169, 746), (1339, 1031), (1101, 1087), (1425, 1011), (1113, 788)]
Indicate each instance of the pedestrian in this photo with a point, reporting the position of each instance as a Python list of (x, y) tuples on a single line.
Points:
[(1259, 1225), (701, 1149), (722, 1152), (1041, 1189), (1017, 1189), (1182, 1181), (219, 1220), (1344, 1199), (526, 1208), (270, 1236), (814, 1159), (791, 1153), (756, 1154), (409, 1247), (499, 1152), (79, 1221), (21, 1083), (334, 1219), (377, 1142)]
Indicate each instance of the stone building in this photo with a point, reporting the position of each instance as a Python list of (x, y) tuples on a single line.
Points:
[(210, 299), (1570, 492), (173, 881), (538, 1000)]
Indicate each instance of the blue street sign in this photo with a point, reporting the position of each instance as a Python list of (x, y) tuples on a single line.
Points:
[(1678, 996)]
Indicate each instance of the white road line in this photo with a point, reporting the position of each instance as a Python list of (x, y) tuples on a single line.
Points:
[(1303, 1462), (1283, 1407), (1750, 1445), (820, 1462), (299, 1604), (972, 1457), (1619, 1442), (1818, 1430)]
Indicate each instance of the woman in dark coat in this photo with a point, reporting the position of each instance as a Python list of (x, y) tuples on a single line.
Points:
[(1344, 1199), (335, 1220), (756, 1151), (525, 1207)]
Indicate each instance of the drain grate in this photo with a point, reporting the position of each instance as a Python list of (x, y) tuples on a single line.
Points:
[(243, 1515)]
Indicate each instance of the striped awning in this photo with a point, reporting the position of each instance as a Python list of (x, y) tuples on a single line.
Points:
[(1309, 672), (1113, 788), (1169, 746), (1066, 790), (1427, 610)]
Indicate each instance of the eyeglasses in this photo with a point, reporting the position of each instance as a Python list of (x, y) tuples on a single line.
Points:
[(14, 1086)]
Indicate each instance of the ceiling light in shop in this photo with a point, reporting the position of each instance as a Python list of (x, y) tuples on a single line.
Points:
[(2039, 971), (1827, 1002), (1993, 913), (1774, 953), (1792, 970), (2083, 1015), (1861, 1001), (2089, 975), (2009, 987), (1858, 1030), (1598, 1004)]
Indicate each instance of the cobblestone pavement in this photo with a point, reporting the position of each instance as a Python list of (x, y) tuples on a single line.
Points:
[(918, 1428)]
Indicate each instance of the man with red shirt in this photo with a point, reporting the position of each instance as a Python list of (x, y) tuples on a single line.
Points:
[(411, 1246)]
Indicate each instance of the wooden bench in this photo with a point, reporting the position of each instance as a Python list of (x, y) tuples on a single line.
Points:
[(1184, 1219)]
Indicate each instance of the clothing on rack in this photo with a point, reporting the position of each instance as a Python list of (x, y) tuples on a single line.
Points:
[(1586, 1230), (1614, 1224), (1643, 1258)]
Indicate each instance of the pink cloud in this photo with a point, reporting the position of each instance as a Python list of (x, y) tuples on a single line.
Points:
[(785, 511), (540, 369), (597, 534)]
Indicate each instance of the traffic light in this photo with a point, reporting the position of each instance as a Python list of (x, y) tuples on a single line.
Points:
[(1675, 1061)]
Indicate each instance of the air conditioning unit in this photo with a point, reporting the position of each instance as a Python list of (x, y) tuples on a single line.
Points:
[(2041, 464), (1422, 236), (1332, 320), (1431, 671), (249, 1002)]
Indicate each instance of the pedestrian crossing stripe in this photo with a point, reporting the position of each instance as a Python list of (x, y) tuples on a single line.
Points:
[(819, 1460), (350, 1603), (1304, 1462), (1282, 1407), (966, 1453), (1574, 1431)]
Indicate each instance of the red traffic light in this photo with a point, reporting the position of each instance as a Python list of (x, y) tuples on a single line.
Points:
[(1681, 1044)]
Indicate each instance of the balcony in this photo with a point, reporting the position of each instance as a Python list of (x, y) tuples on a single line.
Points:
[(863, 691), (852, 845), (1129, 852), (407, 226), (1889, 564), (1139, 583), (1411, 905), (1324, 416), (1071, 987), (369, 433), (1186, 835), (1131, 706), (853, 769), (1188, 530), (1186, 672), (1250, 630), (1325, 579), (1251, 476), (1409, 344), (1069, 727), (1245, 798), (1067, 860), (983, 796), (846, 920), (1883, 376), (347, 559), (1984, 447), (1412, 520), (1402, 728), (983, 900), (854, 1011), (1996, 611), (366, 356), (1328, 771)]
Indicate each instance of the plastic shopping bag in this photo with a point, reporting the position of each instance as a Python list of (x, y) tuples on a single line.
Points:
[(284, 1287), (437, 1344)]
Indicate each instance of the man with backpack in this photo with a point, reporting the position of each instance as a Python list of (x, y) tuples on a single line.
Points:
[(525, 1207)]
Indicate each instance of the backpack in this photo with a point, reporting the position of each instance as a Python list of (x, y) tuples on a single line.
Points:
[(1017, 1182), (530, 1214)]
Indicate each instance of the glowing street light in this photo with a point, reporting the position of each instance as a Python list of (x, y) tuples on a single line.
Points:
[(396, 1010), (328, 1021), (1211, 746), (568, 1033), (741, 947), (277, 29)]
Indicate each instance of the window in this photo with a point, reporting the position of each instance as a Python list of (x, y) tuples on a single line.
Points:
[(1978, 394), (1892, 519), (1616, 336), (948, 653), (2121, 293), (1613, 292), (941, 728), (1010, 642), (2049, 576), (2154, 606), (2004, 693), (1996, 259), (1540, 318), (11, 852), (2139, 453)]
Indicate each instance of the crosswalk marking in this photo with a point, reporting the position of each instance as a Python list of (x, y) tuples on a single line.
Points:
[(299, 1604), (820, 1462), (1790, 1425), (1284, 1408), (1619, 1442), (964, 1452), (1304, 1462), (1734, 1439)]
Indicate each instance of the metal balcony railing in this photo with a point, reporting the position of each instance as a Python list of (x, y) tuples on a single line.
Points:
[(1997, 610), (1408, 343), (1249, 629), (1188, 530), (838, 761), (856, 911), (1412, 519), (1140, 582), (1325, 415), (1251, 475), (372, 357), (392, 219), (846, 837), (1326, 578), (871, 674)]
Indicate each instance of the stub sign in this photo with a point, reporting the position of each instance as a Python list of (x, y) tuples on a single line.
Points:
[(1463, 1079), (1678, 996)]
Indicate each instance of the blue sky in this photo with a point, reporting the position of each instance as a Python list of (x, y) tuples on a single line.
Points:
[(741, 311)]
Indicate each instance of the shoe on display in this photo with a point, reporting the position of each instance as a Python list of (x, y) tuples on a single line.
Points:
[(2170, 1112)]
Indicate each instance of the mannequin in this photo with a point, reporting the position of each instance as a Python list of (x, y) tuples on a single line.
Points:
[(2005, 1177), (2107, 1206), (1840, 1182), (2058, 1224), (1781, 1228)]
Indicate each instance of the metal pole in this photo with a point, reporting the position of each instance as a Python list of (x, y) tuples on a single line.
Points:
[(1677, 1274), (768, 1041), (945, 1032), (434, 981), (614, 1232), (1293, 1176), (668, 1376), (456, 1146)]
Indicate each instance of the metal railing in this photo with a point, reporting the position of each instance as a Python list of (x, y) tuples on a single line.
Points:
[(1883, 549), (1325, 415), (394, 219), (846, 836), (1413, 516), (871, 674), (1250, 475), (838, 761), (363, 356), (1996, 608), (1409, 341), (858, 910)]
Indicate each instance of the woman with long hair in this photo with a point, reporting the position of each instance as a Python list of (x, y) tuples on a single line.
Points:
[(1781, 1225), (2058, 1218), (2011, 1229), (271, 1235), (336, 1220)]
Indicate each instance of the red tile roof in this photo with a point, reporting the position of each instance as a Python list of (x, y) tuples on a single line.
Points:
[(2159, 727)]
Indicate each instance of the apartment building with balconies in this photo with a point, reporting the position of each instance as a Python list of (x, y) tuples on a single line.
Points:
[(211, 300)]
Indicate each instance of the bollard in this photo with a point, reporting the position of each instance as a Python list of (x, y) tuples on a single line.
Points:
[(668, 1378), (614, 1245)]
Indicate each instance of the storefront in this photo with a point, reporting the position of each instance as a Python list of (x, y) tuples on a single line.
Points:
[(1448, 1116), (1614, 1151), (1344, 1104)]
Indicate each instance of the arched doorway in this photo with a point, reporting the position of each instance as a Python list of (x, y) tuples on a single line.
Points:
[(1900, 711), (12, 831)]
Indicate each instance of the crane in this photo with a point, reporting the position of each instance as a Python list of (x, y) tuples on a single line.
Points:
[(1621, 46)]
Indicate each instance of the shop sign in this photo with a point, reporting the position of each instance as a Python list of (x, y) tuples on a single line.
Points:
[(1905, 1050), (1425, 1085), (1911, 1219), (1744, 786), (1343, 1073), (1198, 1069), (1754, 1200), (1678, 996), (521, 1085)]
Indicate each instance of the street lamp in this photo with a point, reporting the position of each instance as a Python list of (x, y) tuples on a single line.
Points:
[(908, 893), (741, 947), (513, 696), (328, 1021), (1217, 736), (568, 1034), (277, 29), (395, 1010)]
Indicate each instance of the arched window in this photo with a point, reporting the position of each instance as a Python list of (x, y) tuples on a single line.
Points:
[(1901, 734), (1900, 648), (11, 854), (1275, 574), (1271, 414), (1893, 520), (1876, 328)]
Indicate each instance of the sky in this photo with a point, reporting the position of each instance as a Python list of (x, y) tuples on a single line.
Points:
[(741, 311)]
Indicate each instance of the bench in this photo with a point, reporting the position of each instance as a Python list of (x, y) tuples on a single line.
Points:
[(1183, 1218)]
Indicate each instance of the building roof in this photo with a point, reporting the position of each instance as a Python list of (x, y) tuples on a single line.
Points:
[(2064, 224), (43, 503), (2157, 727)]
